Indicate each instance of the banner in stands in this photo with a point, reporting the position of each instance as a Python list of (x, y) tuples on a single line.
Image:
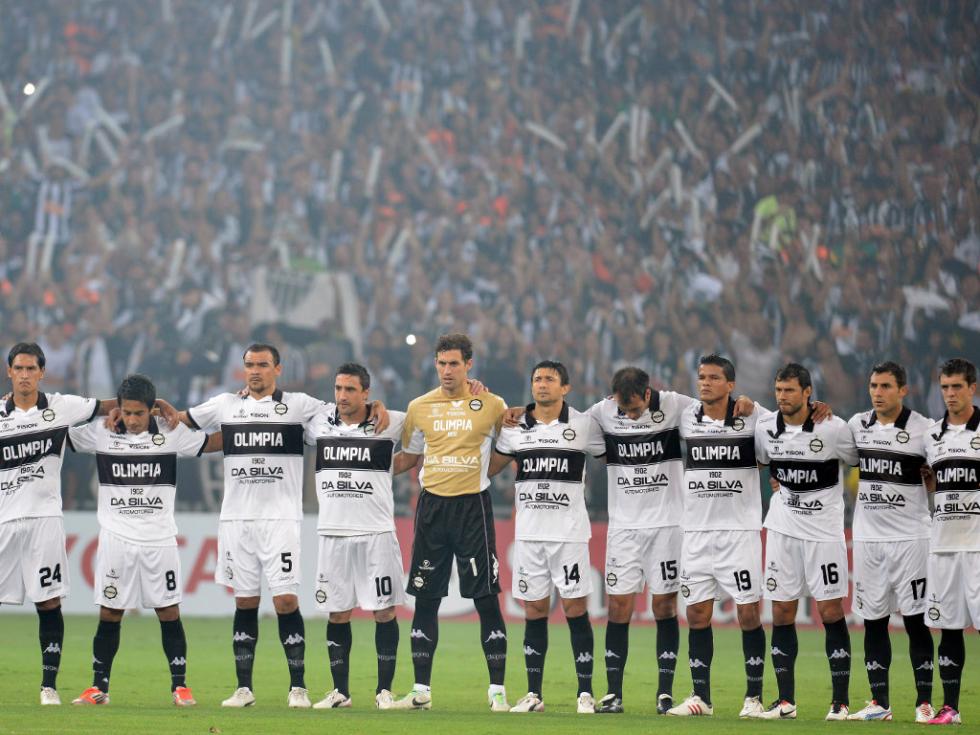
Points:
[(198, 542)]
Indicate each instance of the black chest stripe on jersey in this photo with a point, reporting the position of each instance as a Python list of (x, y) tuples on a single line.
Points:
[(21, 449), (806, 477), (894, 467), (550, 464), (640, 449), (720, 453), (262, 438), (957, 475), (338, 453), (139, 470)]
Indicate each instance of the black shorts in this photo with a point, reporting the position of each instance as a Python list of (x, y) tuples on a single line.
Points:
[(461, 525)]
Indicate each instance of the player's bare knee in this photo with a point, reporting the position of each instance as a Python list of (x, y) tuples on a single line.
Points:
[(168, 614), (537, 609), (53, 604), (384, 616), (340, 617), (575, 607), (285, 604), (110, 614), (784, 612), (620, 608), (830, 610), (699, 614), (247, 603), (664, 606), (748, 616)]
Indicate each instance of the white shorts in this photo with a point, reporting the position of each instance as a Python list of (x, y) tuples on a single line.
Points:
[(249, 550), (541, 566), (359, 571), (130, 575), (643, 556), (954, 590), (721, 561), (890, 576), (797, 568), (34, 560)]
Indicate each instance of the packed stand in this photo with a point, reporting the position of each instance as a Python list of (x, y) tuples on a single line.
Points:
[(602, 183)]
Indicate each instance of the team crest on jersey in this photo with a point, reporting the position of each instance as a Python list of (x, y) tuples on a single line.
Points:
[(321, 596), (48, 414), (902, 437), (975, 442), (109, 592), (685, 590), (933, 614), (522, 586), (418, 582), (281, 408), (816, 444), (738, 424), (368, 428), (657, 417), (228, 573), (770, 584), (476, 404), (568, 434), (611, 579), (158, 439)]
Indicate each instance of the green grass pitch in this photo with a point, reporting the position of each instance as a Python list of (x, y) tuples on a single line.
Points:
[(141, 692)]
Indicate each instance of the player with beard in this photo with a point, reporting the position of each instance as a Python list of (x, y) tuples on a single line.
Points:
[(806, 554)]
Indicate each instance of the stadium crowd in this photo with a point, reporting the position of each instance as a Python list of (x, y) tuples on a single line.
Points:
[(603, 183)]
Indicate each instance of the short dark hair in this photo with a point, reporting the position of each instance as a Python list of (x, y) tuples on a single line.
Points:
[(718, 361), (630, 381), (261, 347), (359, 371), (137, 387), (889, 366), (455, 341), (26, 348), (960, 366), (795, 371), (552, 365)]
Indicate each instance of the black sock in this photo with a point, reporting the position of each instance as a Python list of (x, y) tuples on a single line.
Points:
[(51, 634), (386, 644), (245, 629), (175, 648), (701, 649), (668, 643), (921, 654), (877, 658), (838, 647), (754, 650), (493, 634), (425, 638), (535, 649), (617, 648), (583, 646), (292, 633), (952, 654), (338, 652), (104, 647), (785, 645)]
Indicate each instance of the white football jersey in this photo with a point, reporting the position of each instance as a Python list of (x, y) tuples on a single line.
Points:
[(138, 477), (353, 473), (263, 446), (644, 463), (953, 452), (32, 446), (721, 479), (550, 487), (892, 503), (806, 462)]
